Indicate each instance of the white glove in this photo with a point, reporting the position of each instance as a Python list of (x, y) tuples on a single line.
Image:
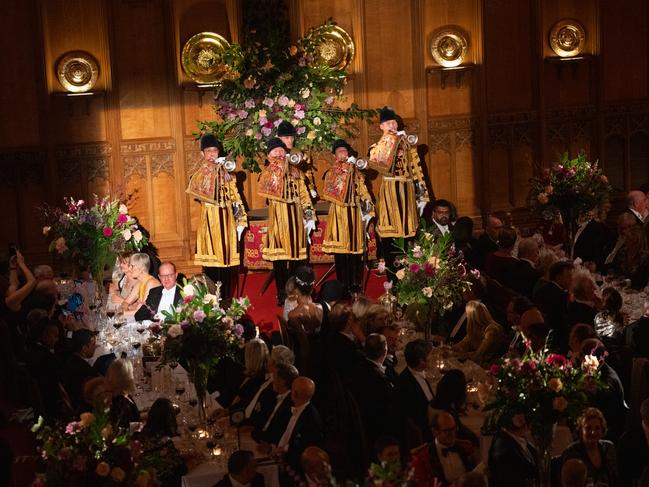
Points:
[(314, 193), (309, 226), (240, 229), (420, 207), (366, 218)]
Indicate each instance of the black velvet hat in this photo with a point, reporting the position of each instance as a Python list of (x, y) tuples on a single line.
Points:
[(208, 140), (274, 143), (387, 114), (341, 143), (286, 129)]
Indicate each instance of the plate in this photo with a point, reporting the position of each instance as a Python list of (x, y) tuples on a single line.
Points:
[(449, 47), (567, 38), (201, 58), (77, 71), (336, 49)]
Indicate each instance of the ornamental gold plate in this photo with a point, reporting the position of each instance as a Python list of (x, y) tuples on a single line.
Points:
[(201, 58), (77, 71), (336, 50), (567, 38), (449, 47)]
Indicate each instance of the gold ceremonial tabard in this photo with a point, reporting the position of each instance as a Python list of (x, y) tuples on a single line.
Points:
[(221, 212), (289, 205), (345, 229), (400, 190)]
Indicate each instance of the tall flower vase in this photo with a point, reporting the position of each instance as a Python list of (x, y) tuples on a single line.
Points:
[(543, 443), (199, 373), (569, 219)]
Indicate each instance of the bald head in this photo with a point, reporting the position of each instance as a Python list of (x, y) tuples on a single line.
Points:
[(315, 463), (637, 201), (530, 317), (528, 248), (302, 391), (493, 227)]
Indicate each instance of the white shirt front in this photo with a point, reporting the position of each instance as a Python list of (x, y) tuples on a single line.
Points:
[(253, 402), (420, 377), (280, 400), (166, 301), (522, 443), (442, 228), (451, 463), (237, 484), (637, 214), (286, 437)]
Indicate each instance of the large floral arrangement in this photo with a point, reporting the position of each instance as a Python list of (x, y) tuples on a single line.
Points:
[(267, 84), (92, 451), (432, 273), (92, 235), (571, 185), (544, 388)]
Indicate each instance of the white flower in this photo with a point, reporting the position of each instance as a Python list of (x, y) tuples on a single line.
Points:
[(305, 92), (122, 209), (46, 230), (427, 291), (401, 273), (210, 299), (137, 236), (175, 331), (317, 121), (591, 362), (188, 290), (249, 133), (126, 234)]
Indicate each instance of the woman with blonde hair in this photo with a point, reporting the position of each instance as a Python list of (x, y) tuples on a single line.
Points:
[(123, 283), (121, 384), (485, 339), (255, 356), (140, 264)]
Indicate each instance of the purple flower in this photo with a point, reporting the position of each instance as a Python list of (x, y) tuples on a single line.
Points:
[(268, 102), (302, 61), (300, 130), (232, 116), (242, 114), (262, 120), (258, 136), (299, 114), (250, 103), (329, 100), (283, 100), (414, 268), (73, 428), (184, 324), (266, 131), (238, 330), (199, 315)]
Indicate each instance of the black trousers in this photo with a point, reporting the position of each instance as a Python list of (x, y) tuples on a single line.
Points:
[(390, 253), (225, 275), (283, 269), (349, 270)]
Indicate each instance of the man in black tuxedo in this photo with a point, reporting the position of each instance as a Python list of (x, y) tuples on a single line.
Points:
[(161, 298), (524, 273), (488, 241), (552, 300), (242, 471), (77, 370), (591, 242), (414, 394), (275, 421), (441, 218), (512, 459), (391, 334), (637, 205), (304, 428), (637, 334), (633, 450), (373, 390), (582, 308), (343, 352)]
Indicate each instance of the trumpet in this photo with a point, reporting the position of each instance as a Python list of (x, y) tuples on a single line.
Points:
[(412, 139), (359, 163), (295, 158), (228, 164)]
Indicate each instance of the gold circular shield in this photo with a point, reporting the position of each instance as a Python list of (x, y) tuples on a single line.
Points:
[(448, 47), (567, 38), (77, 71), (336, 49), (201, 58)]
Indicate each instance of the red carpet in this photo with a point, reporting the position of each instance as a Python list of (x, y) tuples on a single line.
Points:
[(264, 309)]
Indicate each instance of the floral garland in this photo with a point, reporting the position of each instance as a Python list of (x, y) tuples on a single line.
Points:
[(266, 85), (573, 185)]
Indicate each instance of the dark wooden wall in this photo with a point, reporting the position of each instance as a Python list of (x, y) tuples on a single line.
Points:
[(485, 130)]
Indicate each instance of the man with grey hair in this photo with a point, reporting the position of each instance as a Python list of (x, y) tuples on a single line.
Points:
[(636, 202), (271, 422), (633, 449), (582, 308), (524, 274), (43, 272)]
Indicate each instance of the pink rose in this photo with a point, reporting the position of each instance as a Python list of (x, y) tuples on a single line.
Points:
[(556, 360), (108, 232), (199, 315), (494, 369), (122, 218), (414, 268)]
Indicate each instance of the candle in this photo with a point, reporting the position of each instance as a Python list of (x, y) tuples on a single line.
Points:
[(216, 451), (202, 434)]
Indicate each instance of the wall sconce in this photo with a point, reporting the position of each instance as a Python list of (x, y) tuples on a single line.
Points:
[(449, 47)]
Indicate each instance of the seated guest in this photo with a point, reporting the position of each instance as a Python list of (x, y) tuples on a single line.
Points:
[(591, 242), (120, 382), (485, 339), (610, 399), (275, 423), (242, 471), (552, 300), (391, 334), (161, 298), (597, 454), (582, 309), (574, 473), (633, 450), (637, 206), (414, 393), (488, 241), (140, 264), (255, 357), (512, 459), (609, 323), (614, 260), (578, 334), (77, 370), (373, 390), (387, 450), (377, 317), (441, 218), (316, 466), (123, 282), (464, 242), (161, 420), (343, 352), (450, 396), (331, 292), (446, 458), (633, 258), (515, 309), (524, 273), (637, 334), (304, 428), (500, 264), (546, 259)]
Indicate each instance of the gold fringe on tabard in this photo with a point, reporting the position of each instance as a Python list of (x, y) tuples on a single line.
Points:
[(397, 208), (286, 237), (344, 231), (216, 238)]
